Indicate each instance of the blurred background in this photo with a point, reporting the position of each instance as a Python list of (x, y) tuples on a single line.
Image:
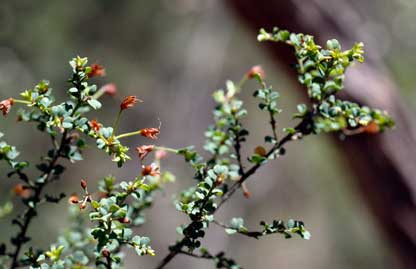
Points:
[(173, 54)]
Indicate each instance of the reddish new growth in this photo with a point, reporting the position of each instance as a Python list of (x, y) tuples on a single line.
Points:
[(106, 253), (372, 128), (256, 70), (6, 105), (22, 191), (95, 125), (142, 151), (124, 220), (260, 151), (150, 170), (151, 133), (83, 184), (110, 89), (129, 102), (74, 199), (96, 71)]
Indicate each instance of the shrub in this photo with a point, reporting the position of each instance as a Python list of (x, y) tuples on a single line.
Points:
[(119, 206)]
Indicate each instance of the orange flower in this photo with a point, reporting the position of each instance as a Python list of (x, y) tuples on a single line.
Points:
[(95, 125), (256, 70), (22, 191), (150, 170), (372, 128), (109, 89), (73, 199), (142, 151), (151, 133), (6, 105), (96, 71), (129, 102)]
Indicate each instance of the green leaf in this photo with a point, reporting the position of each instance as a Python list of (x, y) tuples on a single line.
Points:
[(95, 104)]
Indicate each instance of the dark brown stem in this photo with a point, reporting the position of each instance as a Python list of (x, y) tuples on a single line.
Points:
[(253, 169), (30, 214), (237, 148), (206, 256), (273, 125), (108, 263), (172, 254)]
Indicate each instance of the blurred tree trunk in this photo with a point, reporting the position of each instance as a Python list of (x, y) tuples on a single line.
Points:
[(384, 165)]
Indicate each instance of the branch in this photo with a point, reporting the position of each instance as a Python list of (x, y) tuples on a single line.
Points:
[(177, 248), (21, 237), (254, 168)]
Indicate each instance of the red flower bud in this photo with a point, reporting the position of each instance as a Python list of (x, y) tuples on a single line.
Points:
[(256, 70), (83, 184), (150, 170), (124, 220), (6, 105), (83, 205), (96, 71), (151, 133), (142, 151), (129, 102), (109, 89), (106, 253)]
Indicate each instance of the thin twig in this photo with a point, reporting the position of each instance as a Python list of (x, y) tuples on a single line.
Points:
[(252, 170)]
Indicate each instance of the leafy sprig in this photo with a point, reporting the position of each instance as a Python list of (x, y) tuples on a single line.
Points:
[(64, 123), (321, 71)]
